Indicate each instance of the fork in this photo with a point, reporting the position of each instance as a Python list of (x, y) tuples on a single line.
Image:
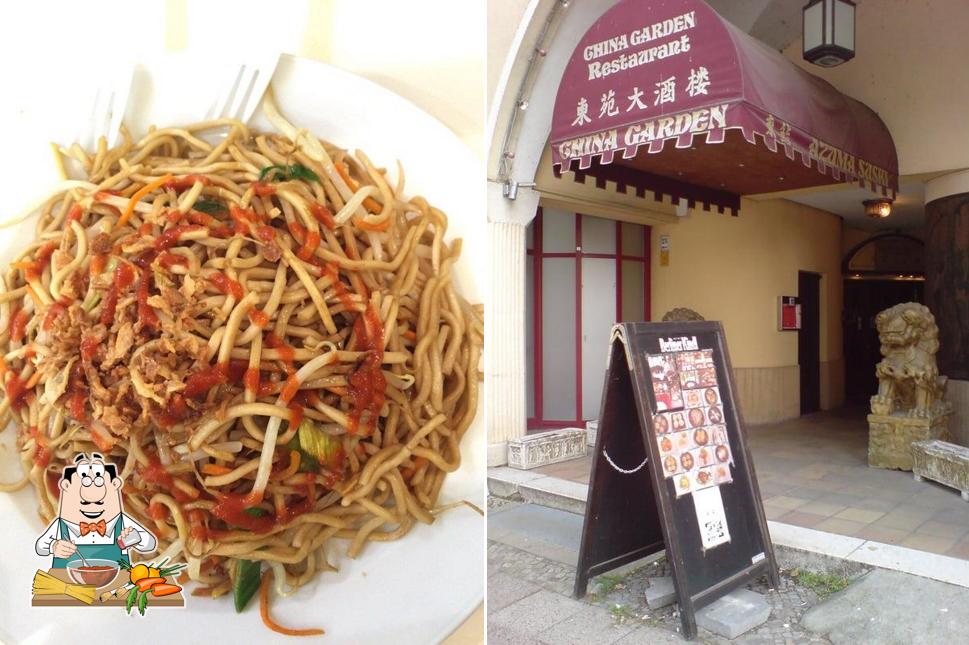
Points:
[(107, 110), (243, 90), (108, 104)]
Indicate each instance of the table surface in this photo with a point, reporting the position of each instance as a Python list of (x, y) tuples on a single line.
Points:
[(63, 600)]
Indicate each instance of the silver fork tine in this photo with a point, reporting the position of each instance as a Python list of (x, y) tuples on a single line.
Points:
[(119, 103), (225, 99), (263, 70), (107, 111), (86, 137), (103, 124), (245, 90)]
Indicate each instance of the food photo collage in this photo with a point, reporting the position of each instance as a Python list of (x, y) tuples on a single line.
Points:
[(689, 424)]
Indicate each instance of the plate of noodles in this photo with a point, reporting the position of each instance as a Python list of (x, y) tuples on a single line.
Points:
[(273, 330)]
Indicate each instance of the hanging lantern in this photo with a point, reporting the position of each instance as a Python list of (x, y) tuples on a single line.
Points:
[(828, 32)]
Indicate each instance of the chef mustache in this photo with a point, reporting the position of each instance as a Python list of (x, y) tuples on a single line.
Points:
[(98, 503)]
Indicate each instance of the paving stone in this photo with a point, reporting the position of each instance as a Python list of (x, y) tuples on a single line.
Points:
[(647, 635), (504, 481), (734, 614), (555, 493), (536, 613), (660, 593), (510, 565), (591, 626), (504, 635), (504, 589), (893, 608)]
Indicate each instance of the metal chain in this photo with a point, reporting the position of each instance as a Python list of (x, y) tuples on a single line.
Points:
[(623, 470)]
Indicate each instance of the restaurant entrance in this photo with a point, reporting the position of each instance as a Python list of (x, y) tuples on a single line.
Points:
[(863, 300), (880, 271), (703, 149)]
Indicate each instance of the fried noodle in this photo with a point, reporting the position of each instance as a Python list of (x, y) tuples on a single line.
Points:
[(185, 317)]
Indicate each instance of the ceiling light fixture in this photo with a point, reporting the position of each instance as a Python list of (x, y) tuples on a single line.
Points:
[(828, 32), (878, 208)]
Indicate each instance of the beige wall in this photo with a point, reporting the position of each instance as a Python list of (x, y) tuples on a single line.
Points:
[(504, 17), (732, 269), (909, 67)]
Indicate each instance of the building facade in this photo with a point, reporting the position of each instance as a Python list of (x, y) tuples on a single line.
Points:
[(572, 257)]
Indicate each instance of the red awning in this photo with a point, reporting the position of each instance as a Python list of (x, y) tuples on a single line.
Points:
[(651, 71)]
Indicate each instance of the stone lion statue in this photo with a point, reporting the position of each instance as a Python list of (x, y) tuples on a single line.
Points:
[(681, 314), (908, 376)]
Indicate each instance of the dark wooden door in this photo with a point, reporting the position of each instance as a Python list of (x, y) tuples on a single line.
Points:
[(863, 299), (809, 341)]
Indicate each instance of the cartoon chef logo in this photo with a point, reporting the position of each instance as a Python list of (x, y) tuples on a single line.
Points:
[(90, 540), (90, 523)]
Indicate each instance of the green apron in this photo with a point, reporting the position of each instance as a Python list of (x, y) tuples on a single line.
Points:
[(110, 551)]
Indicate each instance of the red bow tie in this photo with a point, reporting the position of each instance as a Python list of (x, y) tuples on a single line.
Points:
[(92, 526)]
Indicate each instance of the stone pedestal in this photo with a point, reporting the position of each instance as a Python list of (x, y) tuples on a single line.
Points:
[(890, 437), (545, 448), (943, 462)]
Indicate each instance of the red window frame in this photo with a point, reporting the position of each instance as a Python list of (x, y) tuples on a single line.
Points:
[(536, 255)]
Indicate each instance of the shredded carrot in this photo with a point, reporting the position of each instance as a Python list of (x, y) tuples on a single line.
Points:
[(264, 611), (104, 443), (33, 295), (141, 192), (23, 265), (369, 203), (215, 469), (32, 382), (410, 334), (367, 226), (294, 459), (342, 171)]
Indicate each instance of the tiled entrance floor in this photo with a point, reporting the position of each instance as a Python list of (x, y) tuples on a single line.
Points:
[(813, 472)]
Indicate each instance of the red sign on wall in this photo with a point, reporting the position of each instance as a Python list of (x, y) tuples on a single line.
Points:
[(789, 313)]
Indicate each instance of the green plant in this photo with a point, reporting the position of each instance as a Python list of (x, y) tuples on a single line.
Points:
[(823, 584), (608, 584), (621, 613)]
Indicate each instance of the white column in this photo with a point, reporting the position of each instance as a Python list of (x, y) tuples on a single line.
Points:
[(505, 369)]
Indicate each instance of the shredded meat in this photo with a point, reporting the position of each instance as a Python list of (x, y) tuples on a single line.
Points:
[(129, 370), (271, 252), (123, 341), (101, 244)]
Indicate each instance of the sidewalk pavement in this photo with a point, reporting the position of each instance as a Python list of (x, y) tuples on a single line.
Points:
[(532, 551)]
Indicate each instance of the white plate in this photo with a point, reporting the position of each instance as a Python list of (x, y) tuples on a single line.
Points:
[(416, 590)]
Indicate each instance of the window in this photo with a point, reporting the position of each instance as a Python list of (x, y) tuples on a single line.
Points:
[(584, 274)]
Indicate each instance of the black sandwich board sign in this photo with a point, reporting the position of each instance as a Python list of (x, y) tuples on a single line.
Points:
[(671, 467)]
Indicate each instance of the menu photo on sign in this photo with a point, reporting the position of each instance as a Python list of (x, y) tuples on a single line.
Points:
[(691, 433)]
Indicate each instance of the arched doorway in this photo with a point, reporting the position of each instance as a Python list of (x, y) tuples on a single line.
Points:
[(879, 271)]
